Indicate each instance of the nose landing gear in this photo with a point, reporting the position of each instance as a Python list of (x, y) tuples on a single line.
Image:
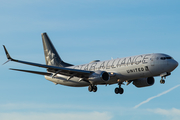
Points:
[(162, 81), (163, 75)]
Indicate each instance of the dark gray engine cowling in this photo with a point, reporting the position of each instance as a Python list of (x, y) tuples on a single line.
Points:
[(99, 77), (144, 82)]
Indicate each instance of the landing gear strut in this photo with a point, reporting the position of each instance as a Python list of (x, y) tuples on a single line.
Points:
[(92, 88), (119, 89), (163, 75)]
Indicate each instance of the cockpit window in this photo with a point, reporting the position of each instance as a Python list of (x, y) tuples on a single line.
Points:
[(168, 57), (164, 58)]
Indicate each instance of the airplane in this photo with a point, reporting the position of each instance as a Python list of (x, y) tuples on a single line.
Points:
[(140, 69)]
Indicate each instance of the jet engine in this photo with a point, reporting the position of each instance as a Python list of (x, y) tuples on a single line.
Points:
[(99, 77), (144, 82)]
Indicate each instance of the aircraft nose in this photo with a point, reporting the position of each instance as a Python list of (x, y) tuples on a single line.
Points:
[(174, 64)]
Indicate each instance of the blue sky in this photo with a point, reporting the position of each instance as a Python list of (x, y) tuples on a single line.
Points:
[(82, 31)]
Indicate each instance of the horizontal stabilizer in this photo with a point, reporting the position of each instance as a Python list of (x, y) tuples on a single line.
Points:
[(34, 72)]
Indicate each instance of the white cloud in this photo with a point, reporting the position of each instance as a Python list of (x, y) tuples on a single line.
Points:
[(28, 107), (36, 106), (171, 114), (56, 116)]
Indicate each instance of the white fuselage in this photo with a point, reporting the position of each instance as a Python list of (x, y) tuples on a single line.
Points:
[(123, 69)]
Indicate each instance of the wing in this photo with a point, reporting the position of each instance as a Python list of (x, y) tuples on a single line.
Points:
[(55, 69), (35, 72)]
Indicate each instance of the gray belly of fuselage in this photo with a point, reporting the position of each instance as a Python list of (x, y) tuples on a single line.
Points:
[(73, 82)]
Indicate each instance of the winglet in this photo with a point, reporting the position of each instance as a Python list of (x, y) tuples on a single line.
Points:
[(7, 55)]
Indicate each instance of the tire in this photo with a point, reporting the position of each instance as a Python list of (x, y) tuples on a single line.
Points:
[(94, 88), (90, 88), (162, 81), (121, 90), (116, 90)]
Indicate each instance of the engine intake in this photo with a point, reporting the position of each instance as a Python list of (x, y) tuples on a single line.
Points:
[(105, 76), (99, 77), (144, 82)]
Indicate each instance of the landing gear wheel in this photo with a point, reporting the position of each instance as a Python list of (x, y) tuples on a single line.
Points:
[(116, 90), (90, 88), (121, 90), (162, 81), (94, 88)]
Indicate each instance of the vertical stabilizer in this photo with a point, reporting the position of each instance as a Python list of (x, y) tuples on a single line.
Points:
[(51, 56)]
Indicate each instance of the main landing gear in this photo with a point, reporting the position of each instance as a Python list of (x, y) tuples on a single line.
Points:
[(163, 75), (119, 89), (92, 88)]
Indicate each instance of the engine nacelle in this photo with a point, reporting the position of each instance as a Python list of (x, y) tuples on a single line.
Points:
[(144, 82), (99, 77)]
